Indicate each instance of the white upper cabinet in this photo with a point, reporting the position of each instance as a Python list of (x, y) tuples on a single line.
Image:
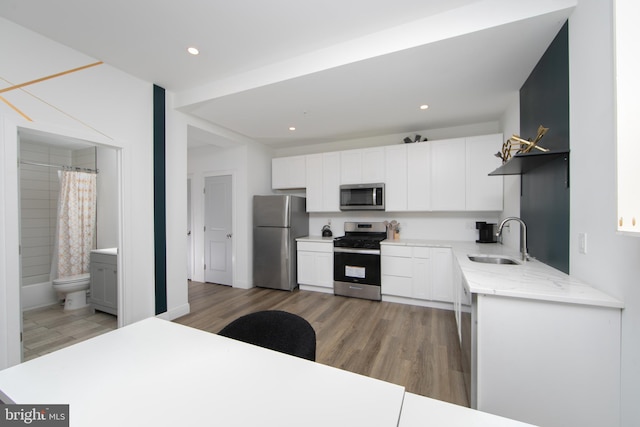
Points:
[(483, 192), (448, 176), (444, 175), (323, 182), (419, 176), (315, 193), (288, 172), (395, 157), (362, 166)]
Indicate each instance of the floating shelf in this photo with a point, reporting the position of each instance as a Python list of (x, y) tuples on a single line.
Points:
[(523, 163)]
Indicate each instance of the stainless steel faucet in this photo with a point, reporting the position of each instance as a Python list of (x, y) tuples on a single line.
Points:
[(523, 236)]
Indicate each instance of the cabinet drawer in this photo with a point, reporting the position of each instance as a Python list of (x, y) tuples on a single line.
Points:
[(396, 266), (315, 246), (397, 251), (421, 252), (104, 258), (397, 286)]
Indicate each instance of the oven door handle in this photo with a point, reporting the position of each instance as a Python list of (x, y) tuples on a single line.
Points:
[(357, 251)]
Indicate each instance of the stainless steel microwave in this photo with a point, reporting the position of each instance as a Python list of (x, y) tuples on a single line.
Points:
[(355, 197)]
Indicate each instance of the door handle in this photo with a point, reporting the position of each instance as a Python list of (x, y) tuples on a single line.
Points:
[(229, 236)]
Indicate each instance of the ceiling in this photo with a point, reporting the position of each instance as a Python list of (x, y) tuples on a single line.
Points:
[(333, 69)]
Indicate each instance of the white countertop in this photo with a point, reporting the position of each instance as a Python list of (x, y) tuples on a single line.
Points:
[(105, 251), (315, 239), (531, 279)]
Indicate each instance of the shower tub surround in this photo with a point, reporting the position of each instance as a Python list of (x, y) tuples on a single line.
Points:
[(39, 189)]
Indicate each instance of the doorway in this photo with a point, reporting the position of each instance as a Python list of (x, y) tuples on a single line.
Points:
[(46, 326), (189, 233), (218, 226)]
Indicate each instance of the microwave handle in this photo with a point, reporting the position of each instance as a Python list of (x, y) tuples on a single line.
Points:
[(375, 202)]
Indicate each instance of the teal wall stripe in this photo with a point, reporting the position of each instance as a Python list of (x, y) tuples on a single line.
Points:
[(159, 198), (545, 192)]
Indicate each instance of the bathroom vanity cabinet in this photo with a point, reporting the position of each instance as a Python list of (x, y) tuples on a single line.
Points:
[(104, 283)]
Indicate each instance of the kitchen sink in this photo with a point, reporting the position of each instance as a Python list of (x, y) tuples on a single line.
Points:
[(493, 259)]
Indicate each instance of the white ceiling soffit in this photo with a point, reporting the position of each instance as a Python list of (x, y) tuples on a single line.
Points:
[(466, 79), (333, 69)]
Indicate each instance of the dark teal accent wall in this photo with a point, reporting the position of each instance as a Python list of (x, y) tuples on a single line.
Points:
[(544, 201), (159, 199)]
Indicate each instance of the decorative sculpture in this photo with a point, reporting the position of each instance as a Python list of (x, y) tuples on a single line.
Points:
[(522, 145)]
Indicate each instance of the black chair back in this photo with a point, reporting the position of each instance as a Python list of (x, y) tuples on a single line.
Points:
[(276, 330)]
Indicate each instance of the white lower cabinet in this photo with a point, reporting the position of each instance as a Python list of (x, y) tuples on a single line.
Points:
[(417, 272), (315, 265), (544, 362), (442, 274), (103, 289)]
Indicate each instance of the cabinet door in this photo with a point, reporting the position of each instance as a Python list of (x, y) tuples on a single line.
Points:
[(98, 281), (448, 179), (421, 279), (331, 183), (306, 268), (373, 169), (324, 269), (483, 192), (314, 182), (362, 166), (418, 176), (288, 172), (111, 287), (395, 157), (351, 167), (442, 274)]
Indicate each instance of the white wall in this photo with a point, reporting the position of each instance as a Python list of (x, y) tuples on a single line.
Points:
[(484, 128), (250, 168), (176, 211), (510, 124), (611, 262), (107, 204), (101, 105), (39, 189)]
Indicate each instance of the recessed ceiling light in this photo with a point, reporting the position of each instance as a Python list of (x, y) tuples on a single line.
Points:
[(292, 128), (424, 106), (193, 50)]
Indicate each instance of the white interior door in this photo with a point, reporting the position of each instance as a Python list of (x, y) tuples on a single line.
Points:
[(217, 230)]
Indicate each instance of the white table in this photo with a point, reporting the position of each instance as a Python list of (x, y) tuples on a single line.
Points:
[(160, 373), (420, 411)]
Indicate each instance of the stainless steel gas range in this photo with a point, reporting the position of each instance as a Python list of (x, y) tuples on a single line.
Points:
[(356, 260)]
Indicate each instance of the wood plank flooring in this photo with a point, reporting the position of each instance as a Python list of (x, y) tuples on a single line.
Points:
[(415, 347), (51, 328)]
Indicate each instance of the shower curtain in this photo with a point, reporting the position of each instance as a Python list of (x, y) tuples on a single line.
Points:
[(76, 224)]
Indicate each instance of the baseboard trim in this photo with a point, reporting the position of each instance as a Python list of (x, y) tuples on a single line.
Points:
[(174, 313)]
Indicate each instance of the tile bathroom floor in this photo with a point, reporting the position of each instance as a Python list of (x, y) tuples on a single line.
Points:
[(51, 328)]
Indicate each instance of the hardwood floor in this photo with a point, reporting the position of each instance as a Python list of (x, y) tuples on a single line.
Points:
[(415, 347)]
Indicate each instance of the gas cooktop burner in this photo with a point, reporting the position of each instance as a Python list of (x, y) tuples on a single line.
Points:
[(365, 235), (366, 242)]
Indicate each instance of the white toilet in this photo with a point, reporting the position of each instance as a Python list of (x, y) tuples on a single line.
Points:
[(74, 289)]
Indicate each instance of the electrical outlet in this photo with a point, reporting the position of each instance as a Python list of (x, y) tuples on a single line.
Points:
[(582, 243)]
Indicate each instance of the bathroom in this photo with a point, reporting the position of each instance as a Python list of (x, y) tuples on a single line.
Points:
[(46, 324)]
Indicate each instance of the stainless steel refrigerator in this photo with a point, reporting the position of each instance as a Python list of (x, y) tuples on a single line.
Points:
[(277, 221)]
